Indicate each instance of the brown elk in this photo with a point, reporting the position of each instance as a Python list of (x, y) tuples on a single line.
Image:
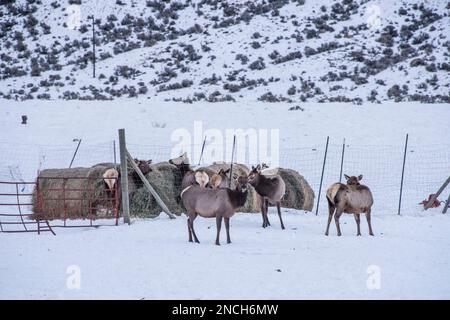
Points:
[(352, 197), (188, 175), (220, 180), (220, 203), (271, 189)]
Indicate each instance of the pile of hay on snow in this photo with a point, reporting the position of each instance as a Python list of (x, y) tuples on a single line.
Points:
[(79, 203)]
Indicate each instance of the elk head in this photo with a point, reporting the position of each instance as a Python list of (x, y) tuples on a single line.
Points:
[(143, 165), (253, 176), (352, 180), (241, 183)]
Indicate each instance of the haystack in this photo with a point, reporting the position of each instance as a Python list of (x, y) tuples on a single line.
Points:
[(299, 194), (65, 194), (166, 179)]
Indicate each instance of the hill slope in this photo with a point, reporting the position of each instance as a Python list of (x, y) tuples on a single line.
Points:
[(276, 50)]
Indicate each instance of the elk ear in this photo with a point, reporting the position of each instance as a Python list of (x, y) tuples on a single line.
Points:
[(346, 176), (360, 177), (149, 161), (258, 167), (136, 160), (226, 171)]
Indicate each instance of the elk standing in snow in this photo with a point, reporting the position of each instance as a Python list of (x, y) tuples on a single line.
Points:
[(220, 203), (352, 197), (270, 188)]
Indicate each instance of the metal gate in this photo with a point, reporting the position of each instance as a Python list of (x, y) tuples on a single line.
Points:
[(14, 200), (53, 202)]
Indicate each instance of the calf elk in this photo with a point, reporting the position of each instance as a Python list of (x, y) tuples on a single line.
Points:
[(352, 197), (271, 189), (209, 203)]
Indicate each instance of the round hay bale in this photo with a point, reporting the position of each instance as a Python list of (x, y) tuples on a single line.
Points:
[(166, 179), (299, 194), (69, 193)]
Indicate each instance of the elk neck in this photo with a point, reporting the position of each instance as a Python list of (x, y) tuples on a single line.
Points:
[(237, 197)]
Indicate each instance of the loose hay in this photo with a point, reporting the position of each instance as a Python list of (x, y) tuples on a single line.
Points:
[(166, 179)]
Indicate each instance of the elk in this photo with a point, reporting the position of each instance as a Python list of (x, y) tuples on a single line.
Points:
[(220, 203), (110, 177), (189, 176), (201, 178), (352, 197), (271, 189), (220, 180)]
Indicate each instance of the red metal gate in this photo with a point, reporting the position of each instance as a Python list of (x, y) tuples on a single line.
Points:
[(55, 202), (12, 218)]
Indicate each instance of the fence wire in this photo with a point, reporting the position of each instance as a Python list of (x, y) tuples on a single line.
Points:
[(427, 166)]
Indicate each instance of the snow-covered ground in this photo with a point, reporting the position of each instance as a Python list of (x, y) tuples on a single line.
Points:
[(152, 259)]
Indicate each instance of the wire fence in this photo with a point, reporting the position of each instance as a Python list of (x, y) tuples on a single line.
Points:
[(427, 166)]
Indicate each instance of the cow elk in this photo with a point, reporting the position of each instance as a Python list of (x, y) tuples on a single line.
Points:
[(271, 188), (220, 203), (352, 197), (220, 180), (189, 177)]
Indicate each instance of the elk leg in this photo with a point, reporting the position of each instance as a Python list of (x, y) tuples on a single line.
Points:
[(262, 213), (266, 201), (227, 227), (357, 219), (189, 229), (219, 225), (336, 219), (368, 221), (331, 209), (279, 214), (192, 227)]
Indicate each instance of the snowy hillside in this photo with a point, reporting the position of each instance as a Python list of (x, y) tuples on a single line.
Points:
[(278, 50)]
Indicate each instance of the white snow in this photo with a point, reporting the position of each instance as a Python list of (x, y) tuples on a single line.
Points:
[(153, 259)]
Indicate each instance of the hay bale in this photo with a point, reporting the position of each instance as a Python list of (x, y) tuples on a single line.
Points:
[(166, 179), (79, 203), (299, 194)]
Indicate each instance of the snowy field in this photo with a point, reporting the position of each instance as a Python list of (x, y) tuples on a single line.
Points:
[(409, 255), (153, 260)]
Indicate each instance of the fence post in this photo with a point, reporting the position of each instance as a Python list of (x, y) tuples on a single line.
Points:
[(447, 204), (114, 150), (232, 160), (403, 174), (342, 160), (76, 150), (321, 177), (203, 149), (436, 195), (124, 177)]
